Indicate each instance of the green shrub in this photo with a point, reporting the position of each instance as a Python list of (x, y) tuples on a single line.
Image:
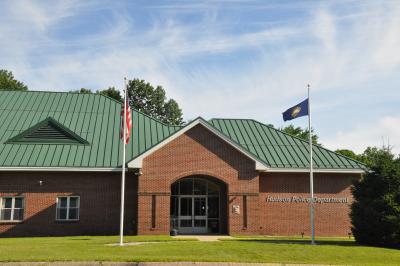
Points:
[(375, 212)]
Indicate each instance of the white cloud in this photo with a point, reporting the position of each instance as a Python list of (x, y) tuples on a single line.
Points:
[(385, 131), (334, 51)]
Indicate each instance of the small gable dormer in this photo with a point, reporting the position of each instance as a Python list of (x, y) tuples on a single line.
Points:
[(48, 131)]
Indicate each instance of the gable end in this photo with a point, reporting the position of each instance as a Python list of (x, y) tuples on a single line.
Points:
[(48, 131), (138, 161)]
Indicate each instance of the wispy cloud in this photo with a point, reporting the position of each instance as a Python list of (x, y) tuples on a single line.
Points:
[(384, 132), (232, 59)]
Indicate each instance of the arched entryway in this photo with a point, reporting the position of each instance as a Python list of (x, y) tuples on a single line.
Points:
[(198, 205)]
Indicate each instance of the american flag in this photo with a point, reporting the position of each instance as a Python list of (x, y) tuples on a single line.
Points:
[(128, 123)]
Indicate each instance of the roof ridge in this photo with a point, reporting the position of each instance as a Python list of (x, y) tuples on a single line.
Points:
[(156, 119), (141, 112), (66, 92), (216, 118), (316, 145), (97, 94), (238, 143), (201, 121)]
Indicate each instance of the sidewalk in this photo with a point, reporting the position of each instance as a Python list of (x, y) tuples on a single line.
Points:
[(204, 237)]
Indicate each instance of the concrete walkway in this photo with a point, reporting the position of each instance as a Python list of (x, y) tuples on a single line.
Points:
[(134, 243), (204, 237), (198, 237)]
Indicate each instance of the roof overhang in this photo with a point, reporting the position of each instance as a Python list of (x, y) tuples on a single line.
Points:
[(59, 169), (138, 161), (306, 170)]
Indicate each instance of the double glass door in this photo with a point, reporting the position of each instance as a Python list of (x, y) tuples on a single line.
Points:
[(193, 214), (195, 206)]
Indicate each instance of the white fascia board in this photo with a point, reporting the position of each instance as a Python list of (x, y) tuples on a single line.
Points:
[(138, 161), (306, 170), (59, 169)]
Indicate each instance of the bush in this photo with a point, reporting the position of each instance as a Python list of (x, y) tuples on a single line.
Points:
[(375, 212)]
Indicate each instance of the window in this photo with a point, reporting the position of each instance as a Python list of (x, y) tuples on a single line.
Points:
[(67, 208), (153, 211), (12, 209)]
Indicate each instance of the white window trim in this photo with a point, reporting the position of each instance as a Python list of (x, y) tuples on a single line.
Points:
[(13, 208), (68, 208)]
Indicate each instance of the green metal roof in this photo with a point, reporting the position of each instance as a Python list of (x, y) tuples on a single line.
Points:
[(94, 120), (279, 149)]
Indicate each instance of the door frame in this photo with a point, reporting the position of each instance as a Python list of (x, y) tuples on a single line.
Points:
[(193, 229), (214, 188)]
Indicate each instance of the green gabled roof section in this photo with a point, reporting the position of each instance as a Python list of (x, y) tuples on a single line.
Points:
[(146, 133), (94, 118), (48, 131), (92, 122), (280, 150), (137, 162)]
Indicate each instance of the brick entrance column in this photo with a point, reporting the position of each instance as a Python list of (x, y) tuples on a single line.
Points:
[(153, 212), (198, 152)]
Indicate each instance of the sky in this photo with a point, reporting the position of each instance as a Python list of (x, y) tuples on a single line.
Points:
[(223, 59)]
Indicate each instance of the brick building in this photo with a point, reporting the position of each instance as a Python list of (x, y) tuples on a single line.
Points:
[(60, 170)]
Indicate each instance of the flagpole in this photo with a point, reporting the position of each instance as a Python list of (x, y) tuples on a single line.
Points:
[(311, 170), (121, 225)]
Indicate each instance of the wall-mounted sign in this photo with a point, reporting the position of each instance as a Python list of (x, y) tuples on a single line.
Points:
[(236, 209), (297, 199)]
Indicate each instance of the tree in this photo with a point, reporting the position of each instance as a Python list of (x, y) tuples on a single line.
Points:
[(112, 93), (173, 112), (152, 101), (300, 133), (375, 212), (349, 153), (8, 82), (372, 156), (83, 91)]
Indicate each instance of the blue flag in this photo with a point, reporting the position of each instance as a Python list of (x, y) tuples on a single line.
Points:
[(298, 110)]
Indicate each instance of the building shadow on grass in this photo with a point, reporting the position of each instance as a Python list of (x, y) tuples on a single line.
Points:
[(341, 243), (302, 242)]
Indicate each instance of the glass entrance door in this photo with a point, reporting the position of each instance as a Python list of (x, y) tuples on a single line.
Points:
[(200, 215), (193, 215), (195, 206), (185, 214)]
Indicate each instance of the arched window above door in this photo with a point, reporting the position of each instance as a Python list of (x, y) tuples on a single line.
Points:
[(195, 185)]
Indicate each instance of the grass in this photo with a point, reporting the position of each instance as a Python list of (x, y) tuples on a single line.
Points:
[(241, 249)]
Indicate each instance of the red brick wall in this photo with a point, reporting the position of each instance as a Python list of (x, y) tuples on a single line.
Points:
[(290, 218), (197, 151), (99, 202)]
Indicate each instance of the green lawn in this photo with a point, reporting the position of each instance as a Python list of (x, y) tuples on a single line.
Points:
[(241, 249)]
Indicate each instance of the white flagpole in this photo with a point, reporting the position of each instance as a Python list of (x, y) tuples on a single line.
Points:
[(121, 225), (311, 171)]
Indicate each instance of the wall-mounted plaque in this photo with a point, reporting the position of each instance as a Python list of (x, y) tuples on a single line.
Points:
[(236, 209)]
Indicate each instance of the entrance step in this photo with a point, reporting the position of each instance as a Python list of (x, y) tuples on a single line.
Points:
[(204, 237)]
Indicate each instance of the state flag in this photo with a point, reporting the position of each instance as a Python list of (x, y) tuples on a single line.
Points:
[(296, 111)]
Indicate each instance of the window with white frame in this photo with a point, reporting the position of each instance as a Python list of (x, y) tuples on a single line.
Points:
[(67, 208), (11, 209)]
